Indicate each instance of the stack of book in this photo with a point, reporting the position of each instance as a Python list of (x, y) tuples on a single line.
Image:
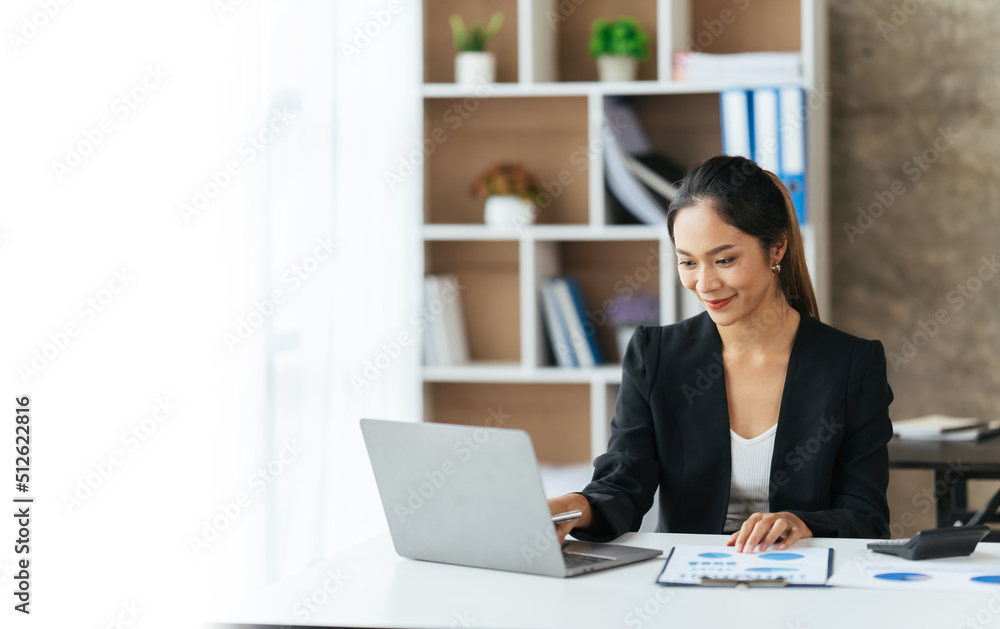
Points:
[(741, 67), (943, 428), (572, 336), (445, 338)]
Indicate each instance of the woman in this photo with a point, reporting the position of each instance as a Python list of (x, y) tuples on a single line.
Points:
[(752, 418)]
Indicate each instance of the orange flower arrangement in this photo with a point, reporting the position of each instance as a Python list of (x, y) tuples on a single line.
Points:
[(503, 178)]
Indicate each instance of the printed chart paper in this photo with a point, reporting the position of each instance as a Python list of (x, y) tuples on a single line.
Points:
[(799, 566), (965, 574)]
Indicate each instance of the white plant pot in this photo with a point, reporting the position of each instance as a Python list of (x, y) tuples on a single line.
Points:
[(509, 211), (623, 334), (474, 67), (617, 67)]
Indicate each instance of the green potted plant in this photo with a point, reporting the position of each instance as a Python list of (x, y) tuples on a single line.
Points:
[(510, 192), (618, 45), (473, 64)]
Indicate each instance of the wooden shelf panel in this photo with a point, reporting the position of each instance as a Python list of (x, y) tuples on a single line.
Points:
[(488, 279), (548, 135), (557, 416), (754, 26), (439, 47)]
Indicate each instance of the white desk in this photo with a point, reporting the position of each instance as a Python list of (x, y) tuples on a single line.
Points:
[(380, 589)]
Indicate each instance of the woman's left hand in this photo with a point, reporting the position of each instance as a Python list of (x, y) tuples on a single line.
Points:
[(763, 530)]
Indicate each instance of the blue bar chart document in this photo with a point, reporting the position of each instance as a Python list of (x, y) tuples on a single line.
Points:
[(955, 574), (688, 564)]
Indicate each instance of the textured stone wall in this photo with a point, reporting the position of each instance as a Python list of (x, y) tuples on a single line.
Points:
[(915, 144)]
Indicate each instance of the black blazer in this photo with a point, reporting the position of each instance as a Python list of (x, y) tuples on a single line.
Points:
[(830, 464)]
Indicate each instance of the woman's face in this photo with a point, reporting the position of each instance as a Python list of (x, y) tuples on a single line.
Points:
[(722, 265)]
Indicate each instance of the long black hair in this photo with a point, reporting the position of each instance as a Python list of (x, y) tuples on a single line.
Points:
[(755, 202)]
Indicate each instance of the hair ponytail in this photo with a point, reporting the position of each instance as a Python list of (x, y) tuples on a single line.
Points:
[(794, 275), (754, 201)]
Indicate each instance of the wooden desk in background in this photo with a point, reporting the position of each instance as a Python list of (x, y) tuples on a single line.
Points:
[(954, 463)]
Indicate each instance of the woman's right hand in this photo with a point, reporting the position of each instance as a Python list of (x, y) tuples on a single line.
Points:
[(570, 502)]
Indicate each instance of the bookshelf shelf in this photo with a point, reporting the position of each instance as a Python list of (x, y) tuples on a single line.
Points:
[(526, 90), (544, 232), (517, 373), (546, 110)]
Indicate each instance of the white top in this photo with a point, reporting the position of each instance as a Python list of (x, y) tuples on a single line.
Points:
[(748, 489)]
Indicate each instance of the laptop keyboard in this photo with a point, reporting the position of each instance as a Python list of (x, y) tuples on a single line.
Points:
[(577, 560)]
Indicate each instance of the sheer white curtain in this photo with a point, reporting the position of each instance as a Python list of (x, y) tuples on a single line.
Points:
[(308, 213), (352, 71)]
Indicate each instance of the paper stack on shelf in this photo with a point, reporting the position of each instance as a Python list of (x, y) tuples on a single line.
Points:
[(445, 338), (944, 428), (639, 178), (572, 337), (742, 67)]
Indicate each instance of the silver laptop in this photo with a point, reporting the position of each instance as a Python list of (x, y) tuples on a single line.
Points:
[(473, 497)]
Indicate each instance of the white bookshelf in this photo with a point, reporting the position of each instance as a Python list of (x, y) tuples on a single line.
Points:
[(531, 115)]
